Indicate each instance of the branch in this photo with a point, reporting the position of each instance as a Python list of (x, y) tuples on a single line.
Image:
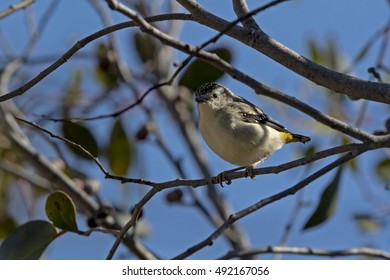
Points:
[(360, 251), (193, 51), (382, 141), (159, 186), (236, 74), (354, 87), (266, 201), (15, 7), (79, 45), (131, 223), (20, 172)]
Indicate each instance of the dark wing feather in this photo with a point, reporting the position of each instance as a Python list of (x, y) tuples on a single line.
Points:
[(255, 115), (263, 119)]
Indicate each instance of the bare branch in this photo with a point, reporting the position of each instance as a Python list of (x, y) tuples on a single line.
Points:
[(359, 251), (266, 201), (208, 57), (18, 171), (354, 87), (381, 141), (79, 45), (86, 205), (241, 9), (15, 7), (236, 74), (131, 223)]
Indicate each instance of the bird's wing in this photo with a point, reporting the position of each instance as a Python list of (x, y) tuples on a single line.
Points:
[(252, 114)]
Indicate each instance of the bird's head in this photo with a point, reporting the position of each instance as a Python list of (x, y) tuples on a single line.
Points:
[(214, 95)]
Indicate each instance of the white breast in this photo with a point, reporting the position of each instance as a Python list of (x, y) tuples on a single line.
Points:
[(243, 144)]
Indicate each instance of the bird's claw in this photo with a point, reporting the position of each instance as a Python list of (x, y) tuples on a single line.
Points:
[(222, 178), (249, 172)]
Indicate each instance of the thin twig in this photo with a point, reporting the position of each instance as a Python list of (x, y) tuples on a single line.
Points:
[(354, 87), (76, 145), (235, 73), (131, 223), (82, 43), (359, 251), (210, 58), (232, 175), (266, 201)]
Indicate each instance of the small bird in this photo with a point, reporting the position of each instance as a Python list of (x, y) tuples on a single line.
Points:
[(237, 130)]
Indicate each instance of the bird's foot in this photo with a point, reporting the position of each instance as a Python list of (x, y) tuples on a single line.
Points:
[(222, 178), (249, 172)]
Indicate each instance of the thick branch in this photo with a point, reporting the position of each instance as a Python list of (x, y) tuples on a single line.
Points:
[(355, 88), (266, 201), (15, 7)]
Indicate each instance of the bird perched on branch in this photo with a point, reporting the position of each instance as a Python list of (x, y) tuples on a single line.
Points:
[(237, 130)]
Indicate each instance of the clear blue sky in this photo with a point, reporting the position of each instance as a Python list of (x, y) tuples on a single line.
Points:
[(175, 228)]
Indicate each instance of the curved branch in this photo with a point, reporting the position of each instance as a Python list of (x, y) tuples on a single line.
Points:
[(354, 87), (241, 9), (360, 251), (194, 51), (236, 74), (15, 7), (266, 201), (82, 43), (380, 142)]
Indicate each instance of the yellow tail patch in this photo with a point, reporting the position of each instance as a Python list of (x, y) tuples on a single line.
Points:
[(290, 137)]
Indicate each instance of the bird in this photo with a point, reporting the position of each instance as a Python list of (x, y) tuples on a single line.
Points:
[(238, 131)]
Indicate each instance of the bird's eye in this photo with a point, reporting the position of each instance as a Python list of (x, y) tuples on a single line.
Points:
[(215, 95)]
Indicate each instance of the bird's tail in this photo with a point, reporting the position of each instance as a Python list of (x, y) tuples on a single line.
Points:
[(299, 138), (291, 137)]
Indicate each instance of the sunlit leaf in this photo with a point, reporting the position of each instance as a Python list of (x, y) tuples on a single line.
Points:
[(327, 203), (120, 150), (383, 169), (145, 46), (199, 71), (61, 210), (314, 51), (81, 135), (28, 241), (307, 150), (72, 95), (352, 163), (106, 68), (367, 223)]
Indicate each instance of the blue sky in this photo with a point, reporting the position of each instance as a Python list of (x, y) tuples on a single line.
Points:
[(175, 228)]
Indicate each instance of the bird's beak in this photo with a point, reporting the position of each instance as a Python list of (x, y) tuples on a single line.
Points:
[(199, 99)]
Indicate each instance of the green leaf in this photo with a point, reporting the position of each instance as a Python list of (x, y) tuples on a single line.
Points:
[(307, 150), (7, 225), (106, 70), (314, 50), (383, 169), (327, 203), (325, 53), (367, 223), (61, 210), (120, 150), (145, 46), (352, 163), (79, 134), (72, 95), (28, 241), (200, 72)]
